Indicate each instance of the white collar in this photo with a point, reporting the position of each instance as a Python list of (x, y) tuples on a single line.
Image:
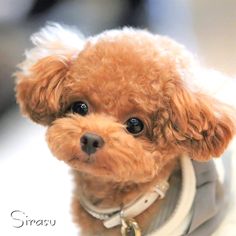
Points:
[(179, 221), (112, 217)]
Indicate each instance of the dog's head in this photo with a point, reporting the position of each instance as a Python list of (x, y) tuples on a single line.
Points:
[(119, 105)]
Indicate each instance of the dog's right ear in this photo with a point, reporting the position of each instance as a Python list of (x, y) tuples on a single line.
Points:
[(41, 77)]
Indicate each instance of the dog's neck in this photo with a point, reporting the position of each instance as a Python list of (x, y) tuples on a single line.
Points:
[(105, 194)]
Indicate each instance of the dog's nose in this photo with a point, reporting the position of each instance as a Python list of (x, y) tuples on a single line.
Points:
[(91, 142)]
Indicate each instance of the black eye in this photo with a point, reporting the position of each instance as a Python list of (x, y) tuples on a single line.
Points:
[(134, 125), (79, 108)]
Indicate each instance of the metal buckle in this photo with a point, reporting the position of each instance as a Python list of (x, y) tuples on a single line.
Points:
[(129, 227)]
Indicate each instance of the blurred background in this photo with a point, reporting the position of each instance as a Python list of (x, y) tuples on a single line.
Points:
[(27, 172)]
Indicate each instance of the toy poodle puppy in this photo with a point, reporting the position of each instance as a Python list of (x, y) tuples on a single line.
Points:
[(123, 110)]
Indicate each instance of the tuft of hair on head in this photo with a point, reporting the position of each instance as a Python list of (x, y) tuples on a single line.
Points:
[(40, 77), (52, 40)]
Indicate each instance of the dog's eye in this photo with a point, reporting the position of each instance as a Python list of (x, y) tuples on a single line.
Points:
[(134, 125), (79, 108)]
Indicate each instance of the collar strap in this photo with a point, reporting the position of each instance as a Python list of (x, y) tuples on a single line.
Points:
[(112, 217), (179, 220)]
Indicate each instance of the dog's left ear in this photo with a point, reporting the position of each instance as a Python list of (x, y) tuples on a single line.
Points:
[(197, 124), (40, 81)]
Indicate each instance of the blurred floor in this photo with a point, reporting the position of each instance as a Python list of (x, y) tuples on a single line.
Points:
[(32, 181)]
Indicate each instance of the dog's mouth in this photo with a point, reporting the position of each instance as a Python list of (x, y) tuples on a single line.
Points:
[(85, 158), (113, 166)]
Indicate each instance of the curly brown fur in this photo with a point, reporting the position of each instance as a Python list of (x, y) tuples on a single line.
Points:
[(129, 74)]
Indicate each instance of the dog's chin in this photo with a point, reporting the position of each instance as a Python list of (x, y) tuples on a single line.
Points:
[(87, 164), (115, 172)]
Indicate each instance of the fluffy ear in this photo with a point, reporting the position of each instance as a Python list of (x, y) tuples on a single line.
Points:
[(198, 125), (41, 77)]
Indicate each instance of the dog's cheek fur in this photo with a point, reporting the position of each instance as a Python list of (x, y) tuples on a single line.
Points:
[(198, 125), (127, 158), (116, 160), (39, 94), (63, 138)]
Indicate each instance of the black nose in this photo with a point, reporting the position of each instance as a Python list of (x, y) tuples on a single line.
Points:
[(91, 142)]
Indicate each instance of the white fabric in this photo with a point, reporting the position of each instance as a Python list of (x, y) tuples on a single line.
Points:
[(220, 169)]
